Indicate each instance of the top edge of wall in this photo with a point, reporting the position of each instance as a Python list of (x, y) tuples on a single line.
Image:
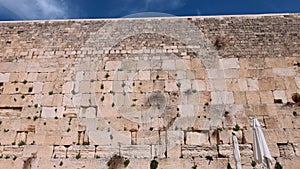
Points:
[(157, 18)]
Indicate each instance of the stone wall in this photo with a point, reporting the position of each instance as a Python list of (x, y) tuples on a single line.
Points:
[(88, 93)]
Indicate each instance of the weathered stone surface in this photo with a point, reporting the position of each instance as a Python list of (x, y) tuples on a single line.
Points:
[(198, 151), (138, 89), (197, 138)]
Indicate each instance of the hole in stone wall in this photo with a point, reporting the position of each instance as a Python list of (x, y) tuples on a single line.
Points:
[(17, 89), (219, 43), (278, 101), (1, 87), (30, 89), (12, 108), (296, 97)]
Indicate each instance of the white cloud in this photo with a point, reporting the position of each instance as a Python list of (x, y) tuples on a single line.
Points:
[(36, 9)]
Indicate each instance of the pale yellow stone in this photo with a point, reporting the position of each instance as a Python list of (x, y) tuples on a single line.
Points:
[(197, 138)]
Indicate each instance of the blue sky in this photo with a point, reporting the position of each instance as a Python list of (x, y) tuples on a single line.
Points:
[(70, 9)]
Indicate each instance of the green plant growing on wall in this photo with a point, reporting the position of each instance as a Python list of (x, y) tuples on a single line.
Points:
[(236, 127), (229, 166), (78, 156), (85, 143), (253, 163), (277, 165), (35, 118), (194, 167), (21, 143), (153, 164), (209, 158), (24, 81), (126, 162)]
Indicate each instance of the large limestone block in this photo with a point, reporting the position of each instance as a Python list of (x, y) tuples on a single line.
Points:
[(10, 163), (136, 151), (276, 136), (59, 152), (69, 137), (297, 149), (218, 163), (229, 63), (147, 137), (284, 71), (189, 151), (297, 80), (168, 65), (120, 137), (73, 151), (87, 151), (99, 137), (253, 97), (48, 112), (107, 151), (12, 151), (197, 138), (7, 138), (289, 163), (4, 77)]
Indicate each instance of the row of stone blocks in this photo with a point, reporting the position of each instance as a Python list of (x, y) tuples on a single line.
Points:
[(208, 156)]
